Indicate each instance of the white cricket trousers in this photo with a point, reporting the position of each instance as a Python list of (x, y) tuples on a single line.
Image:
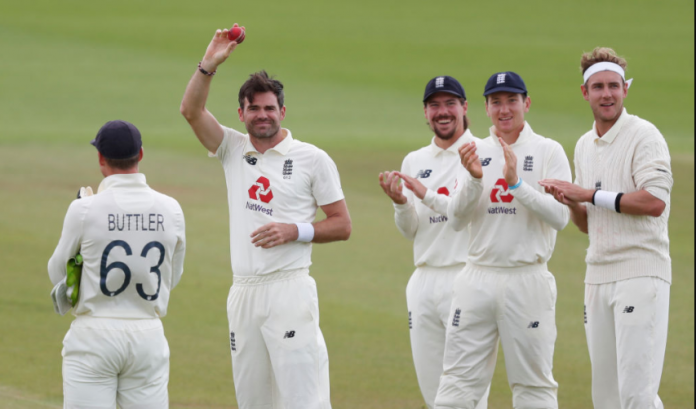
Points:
[(429, 297), (279, 358), (108, 361), (626, 328), (516, 306)]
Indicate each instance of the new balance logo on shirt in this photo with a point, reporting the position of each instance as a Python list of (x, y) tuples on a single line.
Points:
[(485, 161), (250, 159), (628, 309), (533, 324), (289, 334), (422, 174)]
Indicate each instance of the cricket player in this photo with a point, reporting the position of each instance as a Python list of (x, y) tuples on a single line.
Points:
[(132, 240), (505, 292), (274, 186), (439, 252), (621, 200)]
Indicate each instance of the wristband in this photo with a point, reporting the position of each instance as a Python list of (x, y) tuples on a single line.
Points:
[(607, 200), (305, 232), (516, 185), (210, 74)]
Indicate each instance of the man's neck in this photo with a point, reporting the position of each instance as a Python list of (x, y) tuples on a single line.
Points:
[(602, 127), (264, 144), (114, 171), (444, 144)]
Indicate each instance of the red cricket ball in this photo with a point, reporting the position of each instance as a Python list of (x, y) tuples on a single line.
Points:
[(236, 34)]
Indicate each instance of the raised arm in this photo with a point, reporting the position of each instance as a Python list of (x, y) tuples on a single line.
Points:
[(204, 125)]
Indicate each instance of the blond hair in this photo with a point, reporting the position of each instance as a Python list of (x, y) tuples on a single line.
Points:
[(601, 54)]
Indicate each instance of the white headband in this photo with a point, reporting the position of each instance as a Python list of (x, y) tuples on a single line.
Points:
[(606, 66)]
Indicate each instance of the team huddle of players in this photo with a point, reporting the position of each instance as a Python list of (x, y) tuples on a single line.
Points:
[(483, 215)]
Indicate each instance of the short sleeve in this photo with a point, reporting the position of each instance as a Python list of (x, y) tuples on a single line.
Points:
[(326, 183), (230, 139)]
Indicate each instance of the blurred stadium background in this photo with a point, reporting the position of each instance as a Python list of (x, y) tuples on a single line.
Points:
[(354, 74)]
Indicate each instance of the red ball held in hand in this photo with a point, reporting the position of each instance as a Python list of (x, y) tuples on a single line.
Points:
[(236, 34)]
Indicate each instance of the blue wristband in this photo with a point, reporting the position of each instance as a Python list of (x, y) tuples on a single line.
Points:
[(516, 185)]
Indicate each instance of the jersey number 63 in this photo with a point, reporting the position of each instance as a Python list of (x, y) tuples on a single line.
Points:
[(104, 270)]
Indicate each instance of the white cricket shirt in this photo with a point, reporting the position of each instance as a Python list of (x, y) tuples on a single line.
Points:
[(285, 184), (435, 242), (631, 156), (512, 228), (132, 240)]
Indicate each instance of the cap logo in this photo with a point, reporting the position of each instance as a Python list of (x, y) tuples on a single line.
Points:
[(439, 82), (501, 79)]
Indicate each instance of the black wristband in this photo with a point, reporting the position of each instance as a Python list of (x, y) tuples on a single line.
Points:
[(210, 74), (617, 203), (593, 195)]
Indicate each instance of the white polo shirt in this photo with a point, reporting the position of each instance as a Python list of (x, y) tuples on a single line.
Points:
[(132, 239), (512, 228), (286, 184), (435, 242)]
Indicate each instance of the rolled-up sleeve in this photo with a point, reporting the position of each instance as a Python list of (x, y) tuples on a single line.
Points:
[(652, 165)]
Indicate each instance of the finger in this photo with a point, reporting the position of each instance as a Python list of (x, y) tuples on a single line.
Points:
[(261, 229)]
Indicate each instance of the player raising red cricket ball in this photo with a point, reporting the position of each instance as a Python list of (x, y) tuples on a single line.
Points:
[(236, 33)]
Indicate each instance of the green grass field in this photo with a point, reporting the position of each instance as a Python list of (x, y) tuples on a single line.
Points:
[(354, 74)]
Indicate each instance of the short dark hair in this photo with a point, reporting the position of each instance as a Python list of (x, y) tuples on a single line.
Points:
[(524, 96), (260, 82), (123, 164)]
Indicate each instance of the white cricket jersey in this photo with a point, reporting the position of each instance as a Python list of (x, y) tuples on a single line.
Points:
[(631, 156), (132, 240), (435, 242), (285, 184), (512, 228)]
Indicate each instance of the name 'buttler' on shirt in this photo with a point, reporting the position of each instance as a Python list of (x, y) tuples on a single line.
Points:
[(135, 222)]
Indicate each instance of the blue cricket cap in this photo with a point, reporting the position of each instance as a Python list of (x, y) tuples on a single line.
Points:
[(118, 140), (444, 84), (507, 81)]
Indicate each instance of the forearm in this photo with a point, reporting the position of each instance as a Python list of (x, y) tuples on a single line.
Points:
[(437, 202), (578, 214), (641, 203), (334, 228), (543, 206), (196, 95), (406, 219), (464, 202)]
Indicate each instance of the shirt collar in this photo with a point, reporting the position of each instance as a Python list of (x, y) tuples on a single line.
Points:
[(121, 180), (283, 147), (465, 138), (525, 134), (611, 133)]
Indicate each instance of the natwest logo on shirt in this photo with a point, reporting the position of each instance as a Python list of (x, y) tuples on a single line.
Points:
[(261, 190), (500, 192)]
